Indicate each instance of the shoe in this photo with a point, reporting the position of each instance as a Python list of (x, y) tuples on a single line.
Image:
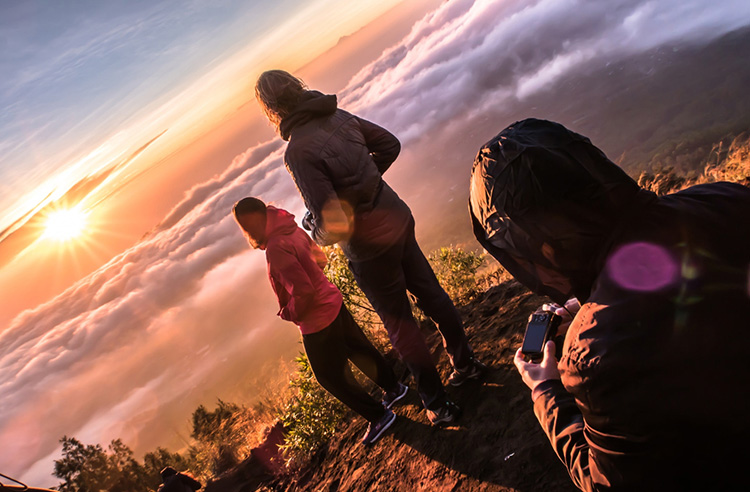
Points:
[(391, 397), (474, 371), (376, 429), (449, 412)]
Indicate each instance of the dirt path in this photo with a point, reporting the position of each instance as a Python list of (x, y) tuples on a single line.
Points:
[(496, 446)]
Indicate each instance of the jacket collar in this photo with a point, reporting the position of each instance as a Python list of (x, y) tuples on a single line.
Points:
[(312, 105)]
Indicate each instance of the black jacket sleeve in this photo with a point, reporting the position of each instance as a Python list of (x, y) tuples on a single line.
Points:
[(382, 144), (562, 421), (329, 222)]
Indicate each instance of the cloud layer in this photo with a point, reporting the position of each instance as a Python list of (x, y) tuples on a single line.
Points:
[(130, 349), (150, 329)]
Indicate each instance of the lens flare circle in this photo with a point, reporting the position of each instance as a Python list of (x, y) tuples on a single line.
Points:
[(643, 267), (64, 224)]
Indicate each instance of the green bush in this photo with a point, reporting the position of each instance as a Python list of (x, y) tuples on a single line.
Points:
[(456, 270), (226, 435), (338, 272), (310, 415)]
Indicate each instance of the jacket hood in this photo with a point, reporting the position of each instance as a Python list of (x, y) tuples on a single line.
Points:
[(278, 222), (312, 104), (546, 203)]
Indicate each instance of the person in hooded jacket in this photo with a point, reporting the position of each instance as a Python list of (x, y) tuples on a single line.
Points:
[(651, 389), (307, 298), (337, 160)]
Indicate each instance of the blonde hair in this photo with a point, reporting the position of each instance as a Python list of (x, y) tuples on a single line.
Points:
[(278, 93)]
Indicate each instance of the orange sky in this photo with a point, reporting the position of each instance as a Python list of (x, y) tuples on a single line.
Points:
[(140, 202)]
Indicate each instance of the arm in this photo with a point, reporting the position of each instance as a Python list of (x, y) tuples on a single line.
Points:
[(560, 418), (382, 144), (288, 272), (327, 220), (562, 421)]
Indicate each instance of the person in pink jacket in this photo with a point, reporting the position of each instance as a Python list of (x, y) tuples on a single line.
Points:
[(307, 298)]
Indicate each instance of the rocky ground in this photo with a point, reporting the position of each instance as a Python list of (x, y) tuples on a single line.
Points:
[(497, 445)]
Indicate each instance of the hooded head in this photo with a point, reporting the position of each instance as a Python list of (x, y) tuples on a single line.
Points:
[(167, 472), (278, 92), (545, 202)]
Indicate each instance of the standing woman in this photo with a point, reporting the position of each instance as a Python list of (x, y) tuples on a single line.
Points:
[(337, 161)]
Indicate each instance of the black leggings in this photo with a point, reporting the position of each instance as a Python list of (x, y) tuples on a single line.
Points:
[(329, 352)]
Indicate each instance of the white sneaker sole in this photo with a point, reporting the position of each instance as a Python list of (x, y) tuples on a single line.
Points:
[(399, 397), (385, 428)]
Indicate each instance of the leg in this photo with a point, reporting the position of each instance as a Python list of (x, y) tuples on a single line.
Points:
[(365, 356), (382, 280), (432, 299), (326, 352)]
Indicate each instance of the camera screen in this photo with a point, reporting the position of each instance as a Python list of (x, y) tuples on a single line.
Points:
[(534, 339)]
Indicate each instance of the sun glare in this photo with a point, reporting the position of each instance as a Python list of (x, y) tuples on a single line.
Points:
[(66, 224)]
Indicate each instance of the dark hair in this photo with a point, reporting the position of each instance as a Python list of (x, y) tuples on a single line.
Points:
[(249, 205), (167, 472), (278, 93)]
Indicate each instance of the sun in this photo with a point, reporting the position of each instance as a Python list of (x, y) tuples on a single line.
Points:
[(65, 224)]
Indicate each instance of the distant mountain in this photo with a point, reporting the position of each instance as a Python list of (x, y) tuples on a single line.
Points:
[(666, 107)]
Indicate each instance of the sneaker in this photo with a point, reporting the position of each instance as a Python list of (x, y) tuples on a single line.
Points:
[(376, 429), (391, 397), (447, 413), (474, 371)]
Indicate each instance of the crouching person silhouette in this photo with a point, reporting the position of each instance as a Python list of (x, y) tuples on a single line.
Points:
[(174, 481), (650, 391), (330, 335)]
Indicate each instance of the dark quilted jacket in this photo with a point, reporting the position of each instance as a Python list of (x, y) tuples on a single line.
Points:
[(337, 160)]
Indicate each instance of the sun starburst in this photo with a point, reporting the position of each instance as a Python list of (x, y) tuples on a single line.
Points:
[(65, 224)]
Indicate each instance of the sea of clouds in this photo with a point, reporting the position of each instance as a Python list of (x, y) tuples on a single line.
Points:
[(129, 351)]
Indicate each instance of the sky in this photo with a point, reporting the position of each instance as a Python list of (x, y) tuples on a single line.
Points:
[(142, 115)]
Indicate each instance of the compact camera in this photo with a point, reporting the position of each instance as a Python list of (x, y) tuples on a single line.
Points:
[(540, 328)]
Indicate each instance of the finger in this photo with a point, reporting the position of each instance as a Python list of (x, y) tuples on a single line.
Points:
[(551, 307), (549, 352), (518, 360), (563, 329)]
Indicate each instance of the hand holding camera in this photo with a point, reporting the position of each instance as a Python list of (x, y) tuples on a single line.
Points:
[(534, 373), (566, 312)]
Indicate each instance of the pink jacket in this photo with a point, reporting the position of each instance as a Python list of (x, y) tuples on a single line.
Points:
[(295, 268)]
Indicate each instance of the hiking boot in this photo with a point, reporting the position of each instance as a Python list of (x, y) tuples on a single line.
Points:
[(449, 412), (376, 429), (474, 371), (391, 397)]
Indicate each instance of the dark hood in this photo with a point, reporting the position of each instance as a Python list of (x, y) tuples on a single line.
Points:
[(312, 104), (545, 203)]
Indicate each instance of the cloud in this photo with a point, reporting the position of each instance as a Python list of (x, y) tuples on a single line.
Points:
[(132, 348), (128, 336), (467, 53)]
